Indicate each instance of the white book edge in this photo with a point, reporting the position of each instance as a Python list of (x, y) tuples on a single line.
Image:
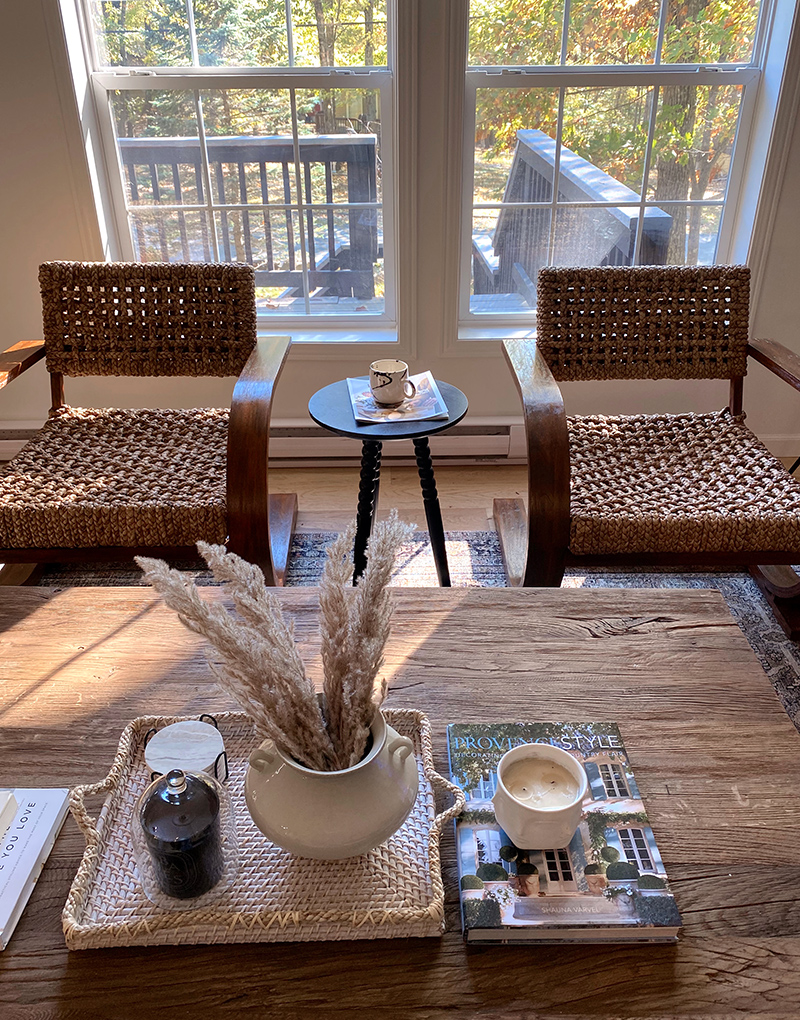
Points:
[(8, 810), (25, 848)]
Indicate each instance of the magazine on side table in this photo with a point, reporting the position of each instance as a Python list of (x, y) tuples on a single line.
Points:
[(427, 403), (608, 885)]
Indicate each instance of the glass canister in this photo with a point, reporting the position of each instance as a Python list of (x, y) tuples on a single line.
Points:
[(183, 834)]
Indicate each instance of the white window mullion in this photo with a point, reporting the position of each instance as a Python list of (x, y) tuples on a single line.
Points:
[(192, 33), (298, 179), (662, 27), (206, 170), (467, 195), (551, 244), (114, 173), (651, 133)]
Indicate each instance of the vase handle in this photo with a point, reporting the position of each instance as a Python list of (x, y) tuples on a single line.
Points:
[(402, 745), (263, 760)]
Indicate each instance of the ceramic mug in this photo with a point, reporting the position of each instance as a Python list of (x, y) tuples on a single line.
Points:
[(389, 382), (544, 827)]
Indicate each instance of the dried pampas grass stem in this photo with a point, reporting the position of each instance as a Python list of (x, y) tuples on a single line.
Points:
[(255, 657)]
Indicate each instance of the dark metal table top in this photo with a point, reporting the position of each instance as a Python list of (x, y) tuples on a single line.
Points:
[(331, 408)]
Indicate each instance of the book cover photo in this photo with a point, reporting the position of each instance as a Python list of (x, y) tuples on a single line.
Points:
[(427, 403), (25, 847), (608, 885)]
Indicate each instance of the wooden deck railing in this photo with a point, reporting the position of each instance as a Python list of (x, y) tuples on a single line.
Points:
[(341, 244), (509, 259)]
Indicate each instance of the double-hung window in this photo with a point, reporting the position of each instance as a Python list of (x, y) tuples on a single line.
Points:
[(257, 132), (601, 132)]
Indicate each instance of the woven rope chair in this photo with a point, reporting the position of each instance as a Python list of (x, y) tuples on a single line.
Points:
[(648, 489), (109, 483)]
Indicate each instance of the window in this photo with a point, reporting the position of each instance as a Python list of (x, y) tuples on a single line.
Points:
[(601, 132), (255, 132), (614, 780), (604, 131), (560, 877), (487, 846), (635, 848)]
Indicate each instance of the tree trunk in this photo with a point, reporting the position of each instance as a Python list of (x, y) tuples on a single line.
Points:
[(369, 106), (326, 15), (674, 174)]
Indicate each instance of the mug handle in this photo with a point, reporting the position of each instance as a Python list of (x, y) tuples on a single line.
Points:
[(409, 388)]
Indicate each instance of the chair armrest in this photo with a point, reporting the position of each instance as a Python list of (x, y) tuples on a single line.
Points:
[(547, 442), (248, 453), (17, 359), (778, 359)]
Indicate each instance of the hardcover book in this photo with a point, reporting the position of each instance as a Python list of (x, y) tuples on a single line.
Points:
[(25, 848), (427, 403), (608, 885), (8, 808)]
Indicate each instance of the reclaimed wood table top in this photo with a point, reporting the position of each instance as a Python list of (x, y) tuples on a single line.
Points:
[(716, 758)]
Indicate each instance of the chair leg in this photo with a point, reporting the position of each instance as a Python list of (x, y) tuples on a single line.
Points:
[(780, 586), (282, 520), (20, 573), (511, 522), (525, 565)]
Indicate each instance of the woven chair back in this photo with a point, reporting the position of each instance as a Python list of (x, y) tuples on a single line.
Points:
[(127, 318), (648, 322)]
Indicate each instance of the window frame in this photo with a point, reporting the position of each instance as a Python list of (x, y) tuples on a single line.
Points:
[(743, 228), (582, 77), (312, 326), (616, 780), (636, 860), (430, 67)]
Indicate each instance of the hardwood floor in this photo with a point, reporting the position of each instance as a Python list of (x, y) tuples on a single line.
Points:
[(327, 496)]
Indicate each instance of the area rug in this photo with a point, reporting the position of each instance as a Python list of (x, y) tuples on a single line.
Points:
[(475, 561)]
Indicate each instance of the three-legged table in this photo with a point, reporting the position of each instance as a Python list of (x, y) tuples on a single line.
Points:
[(331, 408)]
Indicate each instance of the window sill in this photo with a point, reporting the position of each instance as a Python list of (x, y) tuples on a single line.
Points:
[(328, 337), (510, 332)]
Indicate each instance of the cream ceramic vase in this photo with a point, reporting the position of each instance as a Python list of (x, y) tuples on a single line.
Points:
[(331, 815)]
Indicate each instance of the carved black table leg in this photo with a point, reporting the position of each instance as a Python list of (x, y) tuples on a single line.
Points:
[(433, 511), (367, 500)]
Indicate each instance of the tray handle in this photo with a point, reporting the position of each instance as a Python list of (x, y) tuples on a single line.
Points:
[(77, 807), (459, 800), (88, 825)]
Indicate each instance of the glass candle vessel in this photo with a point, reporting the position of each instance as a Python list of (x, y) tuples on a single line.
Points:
[(180, 833)]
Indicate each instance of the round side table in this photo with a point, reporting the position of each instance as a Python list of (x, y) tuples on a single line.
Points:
[(330, 407)]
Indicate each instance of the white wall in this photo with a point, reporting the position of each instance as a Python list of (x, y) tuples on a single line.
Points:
[(46, 212)]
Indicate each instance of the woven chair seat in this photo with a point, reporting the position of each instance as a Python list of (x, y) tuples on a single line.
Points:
[(689, 483), (116, 477)]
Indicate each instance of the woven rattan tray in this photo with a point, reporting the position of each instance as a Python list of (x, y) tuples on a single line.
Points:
[(393, 891)]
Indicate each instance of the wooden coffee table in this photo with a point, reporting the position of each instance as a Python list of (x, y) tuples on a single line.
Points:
[(716, 757)]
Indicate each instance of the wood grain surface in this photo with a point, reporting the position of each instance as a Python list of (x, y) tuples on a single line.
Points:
[(715, 756)]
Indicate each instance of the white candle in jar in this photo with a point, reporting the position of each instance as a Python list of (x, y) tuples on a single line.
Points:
[(540, 783)]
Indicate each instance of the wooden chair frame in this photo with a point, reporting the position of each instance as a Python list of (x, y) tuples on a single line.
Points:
[(260, 524), (535, 544)]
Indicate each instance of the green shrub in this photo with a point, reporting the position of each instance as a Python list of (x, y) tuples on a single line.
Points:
[(492, 873), (508, 852), (621, 869), (651, 882), (657, 910), (482, 914), (471, 882), (609, 853), (595, 869), (526, 868)]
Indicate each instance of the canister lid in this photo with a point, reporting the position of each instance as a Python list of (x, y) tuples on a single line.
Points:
[(190, 745)]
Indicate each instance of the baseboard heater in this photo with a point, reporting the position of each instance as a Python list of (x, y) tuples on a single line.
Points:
[(297, 443)]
